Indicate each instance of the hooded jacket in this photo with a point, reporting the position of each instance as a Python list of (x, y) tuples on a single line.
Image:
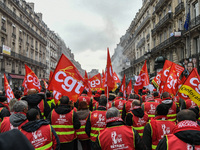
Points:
[(33, 126), (17, 119)]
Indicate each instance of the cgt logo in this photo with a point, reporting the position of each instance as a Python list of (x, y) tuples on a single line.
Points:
[(33, 79), (94, 83), (9, 93), (68, 83), (196, 84), (139, 79)]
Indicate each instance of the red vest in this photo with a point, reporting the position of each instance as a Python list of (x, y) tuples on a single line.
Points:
[(7, 126), (41, 138), (172, 113), (175, 143), (150, 108), (81, 134), (190, 104), (119, 104), (98, 122), (159, 129), (176, 100), (139, 123), (117, 137), (158, 100), (144, 98), (94, 102), (109, 105), (85, 98), (63, 125), (41, 107), (128, 105)]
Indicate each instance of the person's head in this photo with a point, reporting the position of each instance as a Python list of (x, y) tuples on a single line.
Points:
[(103, 100), (82, 105), (20, 106), (3, 99), (120, 94), (186, 114), (1, 93), (48, 94), (84, 91), (64, 100), (161, 110), (33, 114), (11, 104), (112, 112), (136, 103), (149, 97), (18, 94), (190, 66), (134, 96), (196, 111), (32, 91), (155, 94), (166, 95)]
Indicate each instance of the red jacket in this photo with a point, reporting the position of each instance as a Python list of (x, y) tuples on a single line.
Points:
[(85, 98), (119, 104), (150, 108)]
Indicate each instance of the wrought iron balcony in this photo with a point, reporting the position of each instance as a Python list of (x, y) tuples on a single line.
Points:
[(163, 22), (179, 8), (142, 24), (142, 58), (141, 43), (160, 5), (194, 22), (4, 29)]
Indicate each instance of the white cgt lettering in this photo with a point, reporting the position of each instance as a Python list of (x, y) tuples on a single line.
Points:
[(197, 87)]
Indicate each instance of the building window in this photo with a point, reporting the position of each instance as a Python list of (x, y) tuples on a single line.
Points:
[(32, 54), (179, 1), (27, 52), (2, 41), (180, 24), (14, 29), (160, 37), (154, 42), (196, 9), (171, 56), (197, 45), (36, 45)]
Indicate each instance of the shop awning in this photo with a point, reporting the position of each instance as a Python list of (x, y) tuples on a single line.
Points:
[(16, 76)]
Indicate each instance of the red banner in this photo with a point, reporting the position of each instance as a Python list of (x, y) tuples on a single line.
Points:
[(116, 78), (143, 78), (157, 80), (95, 82), (129, 88), (66, 80), (31, 81), (123, 86), (8, 90), (86, 84)]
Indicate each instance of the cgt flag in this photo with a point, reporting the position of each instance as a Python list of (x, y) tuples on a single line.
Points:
[(66, 80), (95, 82), (157, 80), (123, 86), (8, 90), (129, 87), (191, 87), (86, 84), (116, 78)]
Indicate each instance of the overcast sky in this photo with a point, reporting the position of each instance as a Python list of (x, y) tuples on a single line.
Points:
[(88, 27)]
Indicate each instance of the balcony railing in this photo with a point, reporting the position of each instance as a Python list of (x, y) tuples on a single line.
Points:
[(194, 22), (163, 22), (159, 5), (4, 29), (179, 8), (141, 42), (142, 24), (20, 21), (139, 60)]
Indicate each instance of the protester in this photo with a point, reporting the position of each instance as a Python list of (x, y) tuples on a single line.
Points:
[(117, 134), (17, 119), (37, 100), (119, 102), (11, 104), (186, 134), (50, 100), (18, 94), (159, 126), (96, 121), (39, 132), (64, 121), (83, 113), (14, 140), (83, 97), (4, 108), (137, 118)]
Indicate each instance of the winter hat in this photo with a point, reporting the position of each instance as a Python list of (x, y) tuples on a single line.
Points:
[(3, 98)]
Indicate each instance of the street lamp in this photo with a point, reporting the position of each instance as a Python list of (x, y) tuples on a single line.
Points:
[(147, 56)]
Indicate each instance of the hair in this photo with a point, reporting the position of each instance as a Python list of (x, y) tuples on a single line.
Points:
[(82, 105), (165, 95), (196, 111), (162, 109), (48, 94), (18, 94), (120, 94), (155, 94), (134, 96), (64, 100), (12, 103), (186, 114), (19, 106), (103, 100), (136, 103), (84, 91), (112, 112), (32, 114), (191, 63)]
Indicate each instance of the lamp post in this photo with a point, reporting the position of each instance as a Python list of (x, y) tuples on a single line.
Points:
[(147, 56)]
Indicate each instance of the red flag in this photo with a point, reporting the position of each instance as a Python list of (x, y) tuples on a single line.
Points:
[(129, 88), (8, 90), (171, 84), (191, 86), (103, 80), (143, 78), (66, 80), (31, 81), (123, 86), (86, 84), (95, 82), (109, 79), (116, 78), (50, 76), (45, 84), (157, 80)]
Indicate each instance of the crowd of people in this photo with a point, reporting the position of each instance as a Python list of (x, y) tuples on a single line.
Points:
[(145, 121)]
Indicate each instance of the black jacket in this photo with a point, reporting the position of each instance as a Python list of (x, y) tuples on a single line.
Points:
[(34, 99), (64, 109), (137, 112), (188, 136), (33, 126), (138, 142), (4, 112)]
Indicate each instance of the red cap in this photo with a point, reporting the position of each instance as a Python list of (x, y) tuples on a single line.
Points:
[(144, 91), (154, 90)]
